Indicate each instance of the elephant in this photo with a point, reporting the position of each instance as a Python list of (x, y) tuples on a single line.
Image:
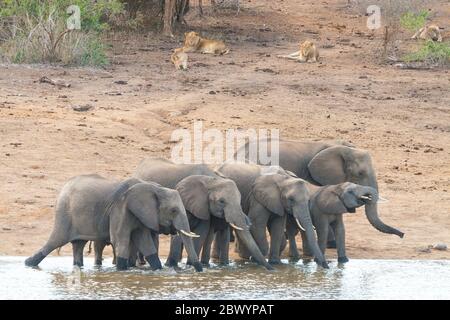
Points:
[(328, 204), (326, 163), (213, 205), (169, 174), (131, 212), (270, 195)]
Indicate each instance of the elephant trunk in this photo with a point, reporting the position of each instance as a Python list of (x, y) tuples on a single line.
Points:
[(182, 225), (303, 216), (246, 238), (372, 211), (375, 221)]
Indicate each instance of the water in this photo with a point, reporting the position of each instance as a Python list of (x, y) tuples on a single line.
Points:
[(56, 278)]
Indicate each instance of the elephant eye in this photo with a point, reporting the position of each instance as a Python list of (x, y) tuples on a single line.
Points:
[(174, 211)]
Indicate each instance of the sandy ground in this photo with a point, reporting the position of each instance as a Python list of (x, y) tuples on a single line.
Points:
[(401, 116)]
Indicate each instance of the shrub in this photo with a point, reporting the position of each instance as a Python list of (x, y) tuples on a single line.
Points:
[(414, 21), (35, 31), (431, 52)]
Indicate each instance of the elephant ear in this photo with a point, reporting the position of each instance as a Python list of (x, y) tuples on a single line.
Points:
[(142, 201), (328, 166), (328, 200), (194, 193), (266, 191)]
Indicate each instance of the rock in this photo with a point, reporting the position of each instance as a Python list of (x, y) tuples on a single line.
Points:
[(424, 249), (440, 246), (83, 107)]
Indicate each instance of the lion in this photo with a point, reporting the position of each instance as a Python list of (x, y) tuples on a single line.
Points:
[(179, 58), (308, 51), (194, 42), (430, 32)]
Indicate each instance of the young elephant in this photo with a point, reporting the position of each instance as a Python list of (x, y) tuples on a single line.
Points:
[(126, 213), (327, 205), (213, 205), (271, 195)]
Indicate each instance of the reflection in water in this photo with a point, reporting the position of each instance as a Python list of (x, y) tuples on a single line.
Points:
[(359, 279)]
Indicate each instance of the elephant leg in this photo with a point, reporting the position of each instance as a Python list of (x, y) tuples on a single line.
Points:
[(114, 255), (122, 245), (232, 237), (175, 252), (283, 244), (339, 231), (331, 243), (322, 235), (141, 259), (52, 244), (133, 255), (99, 246), (78, 248), (215, 249), (224, 245), (206, 251), (276, 230), (145, 243)]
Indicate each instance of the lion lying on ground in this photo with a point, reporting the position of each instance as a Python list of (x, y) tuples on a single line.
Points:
[(430, 32), (308, 51), (193, 42), (179, 58)]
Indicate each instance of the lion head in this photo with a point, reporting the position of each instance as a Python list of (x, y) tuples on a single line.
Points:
[(191, 40)]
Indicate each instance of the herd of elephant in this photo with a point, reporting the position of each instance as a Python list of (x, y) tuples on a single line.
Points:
[(198, 204)]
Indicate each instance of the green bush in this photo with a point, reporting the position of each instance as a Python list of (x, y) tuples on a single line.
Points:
[(414, 21), (35, 31), (431, 52)]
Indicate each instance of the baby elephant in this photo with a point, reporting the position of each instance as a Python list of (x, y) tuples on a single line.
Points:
[(327, 205), (125, 214), (213, 205)]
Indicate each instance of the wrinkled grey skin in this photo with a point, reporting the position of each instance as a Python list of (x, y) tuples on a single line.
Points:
[(327, 163), (91, 207), (213, 205), (329, 203), (169, 174), (270, 195)]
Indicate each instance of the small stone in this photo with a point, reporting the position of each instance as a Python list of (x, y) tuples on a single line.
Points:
[(424, 249), (440, 246), (82, 108)]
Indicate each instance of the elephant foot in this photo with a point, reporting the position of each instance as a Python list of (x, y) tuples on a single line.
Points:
[(121, 264), (170, 262), (275, 261), (34, 260), (323, 264), (154, 262), (197, 266), (78, 264), (131, 263), (331, 244), (343, 259), (98, 262), (205, 264)]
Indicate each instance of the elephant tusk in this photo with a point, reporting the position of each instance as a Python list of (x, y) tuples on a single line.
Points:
[(299, 225), (381, 199), (235, 226), (366, 198), (189, 234)]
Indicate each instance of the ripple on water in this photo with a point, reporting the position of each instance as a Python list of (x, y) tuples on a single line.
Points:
[(56, 278)]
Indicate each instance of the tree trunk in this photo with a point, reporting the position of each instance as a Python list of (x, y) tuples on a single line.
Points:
[(169, 12)]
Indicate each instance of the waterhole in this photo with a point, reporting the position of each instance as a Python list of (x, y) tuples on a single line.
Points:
[(56, 278)]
